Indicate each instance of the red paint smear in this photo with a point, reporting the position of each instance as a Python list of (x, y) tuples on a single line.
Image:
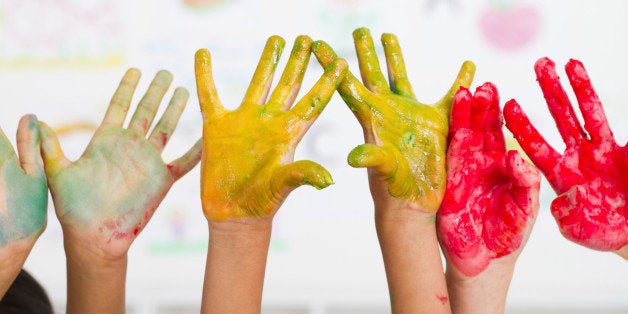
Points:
[(170, 167), (486, 206), (590, 176), (511, 29), (164, 138), (136, 230), (443, 299)]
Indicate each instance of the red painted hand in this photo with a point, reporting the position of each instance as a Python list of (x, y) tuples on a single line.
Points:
[(590, 176), (491, 198)]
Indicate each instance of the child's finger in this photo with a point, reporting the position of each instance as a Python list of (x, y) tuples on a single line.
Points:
[(147, 108), (168, 122), (29, 145), (207, 94)]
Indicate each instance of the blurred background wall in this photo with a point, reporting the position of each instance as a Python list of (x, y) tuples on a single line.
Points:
[(62, 59)]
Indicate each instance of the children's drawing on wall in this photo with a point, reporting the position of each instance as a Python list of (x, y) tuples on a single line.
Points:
[(81, 33), (510, 25)]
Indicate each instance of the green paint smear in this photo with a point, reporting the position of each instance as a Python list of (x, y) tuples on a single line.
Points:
[(27, 201)]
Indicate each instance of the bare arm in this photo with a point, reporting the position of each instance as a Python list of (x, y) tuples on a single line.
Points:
[(247, 170), (404, 151), (105, 198)]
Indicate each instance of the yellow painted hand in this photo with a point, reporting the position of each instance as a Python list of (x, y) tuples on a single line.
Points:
[(405, 140), (247, 166)]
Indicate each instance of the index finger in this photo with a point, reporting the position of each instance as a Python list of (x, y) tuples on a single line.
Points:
[(369, 64), (464, 79), (355, 95), (396, 67), (313, 103), (207, 94)]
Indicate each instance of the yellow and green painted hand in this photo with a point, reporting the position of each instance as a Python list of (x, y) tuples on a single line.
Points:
[(247, 169), (406, 140)]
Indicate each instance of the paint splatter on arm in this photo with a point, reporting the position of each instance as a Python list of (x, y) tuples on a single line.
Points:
[(106, 197), (404, 151), (490, 204)]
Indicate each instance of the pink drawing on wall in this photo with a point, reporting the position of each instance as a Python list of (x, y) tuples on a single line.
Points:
[(510, 28)]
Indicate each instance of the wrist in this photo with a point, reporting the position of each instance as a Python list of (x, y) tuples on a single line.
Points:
[(241, 232), (96, 283), (12, 258), (483, 293), (623, 252), (393, 219)]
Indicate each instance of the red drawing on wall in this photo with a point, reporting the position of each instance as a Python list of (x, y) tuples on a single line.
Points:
[(510, 27)]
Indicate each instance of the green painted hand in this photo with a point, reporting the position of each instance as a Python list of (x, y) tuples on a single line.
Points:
[(405, 139), (247, 167), (106, 197), (23, 189)]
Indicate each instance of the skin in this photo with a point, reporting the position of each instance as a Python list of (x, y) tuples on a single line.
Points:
[(405, 156), (105, 198), (23, 199), (247, 169), (490, 204), (589, 177)]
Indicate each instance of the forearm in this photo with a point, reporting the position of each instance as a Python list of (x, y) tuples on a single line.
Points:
[(10, 269), (12, 258), (95, 284), (484, 293), (623, 252), (236, 263), (412, 260)]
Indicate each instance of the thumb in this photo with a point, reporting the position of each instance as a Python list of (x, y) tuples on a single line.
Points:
[(526, 181), (288, 177), (54, 159), (389, 164)]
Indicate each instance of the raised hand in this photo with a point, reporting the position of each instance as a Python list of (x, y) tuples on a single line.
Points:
[(247, 168), (23, 199), (405, 156), (590, 176), (492, 195), (405, 139), (106, 197)]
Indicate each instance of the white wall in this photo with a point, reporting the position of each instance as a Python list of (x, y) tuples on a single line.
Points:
[(62, 59)]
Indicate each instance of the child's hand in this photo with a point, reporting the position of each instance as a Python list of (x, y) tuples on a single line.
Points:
[(492, 196), (405, 139), (590, 176), (23, 199), (248, 168), (105, 198)]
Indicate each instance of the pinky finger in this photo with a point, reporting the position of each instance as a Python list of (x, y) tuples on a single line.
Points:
[(187, 162)]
